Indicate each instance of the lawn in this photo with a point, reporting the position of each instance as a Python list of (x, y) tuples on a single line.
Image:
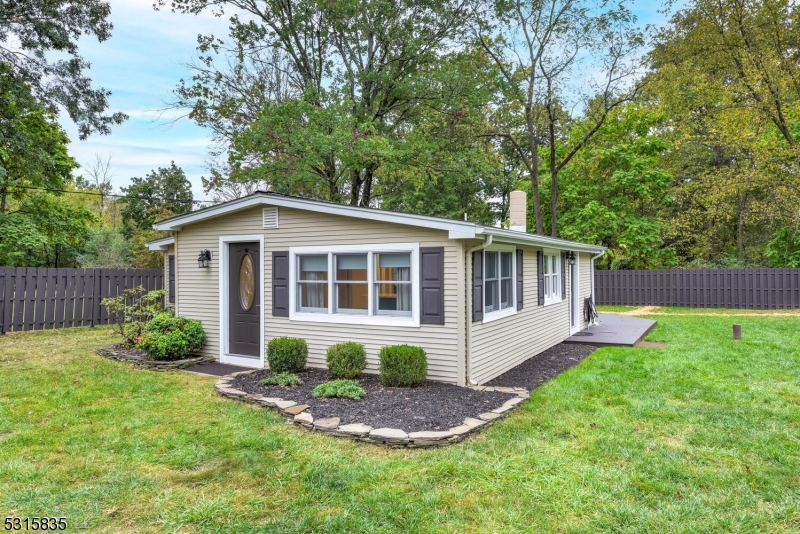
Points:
[(701, 436)]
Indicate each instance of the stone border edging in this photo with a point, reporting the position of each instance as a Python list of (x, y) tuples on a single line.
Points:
[(110, 352), (389, 437)]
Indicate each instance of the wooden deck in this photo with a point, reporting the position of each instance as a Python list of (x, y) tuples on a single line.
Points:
[(617, 330)]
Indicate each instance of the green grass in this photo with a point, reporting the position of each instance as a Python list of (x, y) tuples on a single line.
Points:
[(702, 436)]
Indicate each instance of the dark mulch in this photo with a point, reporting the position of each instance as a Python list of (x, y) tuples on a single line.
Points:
[(131, 352), (434, 406), (535, 371)]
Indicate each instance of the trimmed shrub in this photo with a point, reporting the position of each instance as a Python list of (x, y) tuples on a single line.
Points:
[(346, 360), (403, 366), (287, 355), (282, 379), (339, 388), (167, 337)]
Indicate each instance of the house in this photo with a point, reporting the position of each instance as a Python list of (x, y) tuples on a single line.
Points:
[(479, 299)]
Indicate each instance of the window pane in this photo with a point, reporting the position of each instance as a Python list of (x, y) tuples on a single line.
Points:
[(505, 293), (393, 267), (554, 263), (393, 297), (546, 286), (491, 265), (352, 297), (351, 267), (546, 263), (492, 298), (505, 265), (313, 267), (312, 295)]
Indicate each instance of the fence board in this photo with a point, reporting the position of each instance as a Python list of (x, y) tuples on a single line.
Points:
[(31, 277), (755, 289)]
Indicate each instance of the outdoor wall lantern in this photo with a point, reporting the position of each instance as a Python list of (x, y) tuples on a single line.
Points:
[(571, 257), (203, 259)]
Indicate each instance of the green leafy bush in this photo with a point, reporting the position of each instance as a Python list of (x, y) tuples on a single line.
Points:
[(346, 360), (346, 389), (403, 366), (167, 337), (131, 310), (287, 355), (282, 379)]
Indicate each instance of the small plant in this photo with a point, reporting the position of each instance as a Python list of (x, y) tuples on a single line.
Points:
[(403, 366), (287, 354), (131, 310), (167, 337), (346, 360), (346, 389), (283, 380)]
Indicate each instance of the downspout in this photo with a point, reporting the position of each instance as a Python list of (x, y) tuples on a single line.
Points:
[(468, 344), (595, 257)]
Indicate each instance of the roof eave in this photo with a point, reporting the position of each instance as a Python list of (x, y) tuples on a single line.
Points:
[(522, 238), (161, 244)]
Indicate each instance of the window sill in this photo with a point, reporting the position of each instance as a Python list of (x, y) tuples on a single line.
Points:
[(553, 301), (493, 316), (376, 320)]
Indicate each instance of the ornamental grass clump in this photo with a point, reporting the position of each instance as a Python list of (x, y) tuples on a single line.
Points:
[(346, 360), (170, 338), (346, 389), (403, 366), (287, 355), (283, 380)]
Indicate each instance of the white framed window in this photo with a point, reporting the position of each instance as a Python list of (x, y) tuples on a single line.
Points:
[(499, 273), (551, 263), (356, 284)]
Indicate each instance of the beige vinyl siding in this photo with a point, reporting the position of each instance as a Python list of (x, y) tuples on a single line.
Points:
[(199, 288), (585, 288), (500, 345)]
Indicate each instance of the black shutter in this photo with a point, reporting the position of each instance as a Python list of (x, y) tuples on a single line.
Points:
[(431, 285), (519, 279), (280, 284), (540, 275), (477, 286), (563, 275), (171, 279)]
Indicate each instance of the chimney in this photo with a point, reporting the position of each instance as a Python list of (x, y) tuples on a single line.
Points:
[(517, 206)]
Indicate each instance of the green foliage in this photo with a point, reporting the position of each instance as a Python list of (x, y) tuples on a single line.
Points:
[(283, 380), (784, 249), (403, 366), (169, 337), (287, 354), (132, 310), (106, 248), (160, 194), (346, 389), (346, 360)]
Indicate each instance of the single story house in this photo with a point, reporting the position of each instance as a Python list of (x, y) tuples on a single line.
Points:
[(479, 299)]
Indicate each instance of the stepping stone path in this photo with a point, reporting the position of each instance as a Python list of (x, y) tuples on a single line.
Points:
[(388, 437)]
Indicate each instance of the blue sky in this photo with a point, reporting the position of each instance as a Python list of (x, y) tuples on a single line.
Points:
[(141, 65)]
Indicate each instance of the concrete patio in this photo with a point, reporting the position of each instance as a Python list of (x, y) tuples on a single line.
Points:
[(613, 330)]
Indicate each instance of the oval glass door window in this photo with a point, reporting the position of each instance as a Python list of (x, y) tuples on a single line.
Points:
[(247, 283)]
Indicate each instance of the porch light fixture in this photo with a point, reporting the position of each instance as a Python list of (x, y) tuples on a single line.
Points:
[(203, 259), (571, 257)]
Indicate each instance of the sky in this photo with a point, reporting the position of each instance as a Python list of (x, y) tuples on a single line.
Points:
[(141, 64)]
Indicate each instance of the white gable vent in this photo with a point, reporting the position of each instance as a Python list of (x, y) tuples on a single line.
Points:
[(270, 217)]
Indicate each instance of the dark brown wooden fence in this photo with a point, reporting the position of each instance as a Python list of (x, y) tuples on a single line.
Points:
[(38, 298), (755, 289)]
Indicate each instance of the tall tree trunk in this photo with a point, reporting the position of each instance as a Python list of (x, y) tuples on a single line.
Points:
[(355, 187), (533, 169), (3, 195), (366, 193), (553, 179)]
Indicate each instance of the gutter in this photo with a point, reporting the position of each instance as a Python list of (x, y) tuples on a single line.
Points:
[(468, 307)]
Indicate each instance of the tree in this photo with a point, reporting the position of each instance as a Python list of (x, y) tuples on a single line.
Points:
[(106, 248), (165, 189), (552, 55), (32, 32)]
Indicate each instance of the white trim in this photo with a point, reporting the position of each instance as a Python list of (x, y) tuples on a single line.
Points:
[(558, 282), (575, 295), (488, 317), (161, 244), (224, 357), (370, 318), (535, 240)]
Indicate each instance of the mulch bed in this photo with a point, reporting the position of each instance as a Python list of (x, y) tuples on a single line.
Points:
[(434, 406), (535, 371), (131, 353)]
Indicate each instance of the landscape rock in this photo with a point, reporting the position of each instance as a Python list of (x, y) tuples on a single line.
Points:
[(296, 409), (330, 423), (490, 416), (283, 404), (388, 435), (304, 419), (354, 430)]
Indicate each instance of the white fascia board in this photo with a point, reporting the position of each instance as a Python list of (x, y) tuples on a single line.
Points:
[(519, 238), (457, 227), (161, 244)]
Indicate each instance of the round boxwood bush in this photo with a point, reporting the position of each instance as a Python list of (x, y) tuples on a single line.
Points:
[(167, 337), (346, 360), (287, 355), (403, 366)]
